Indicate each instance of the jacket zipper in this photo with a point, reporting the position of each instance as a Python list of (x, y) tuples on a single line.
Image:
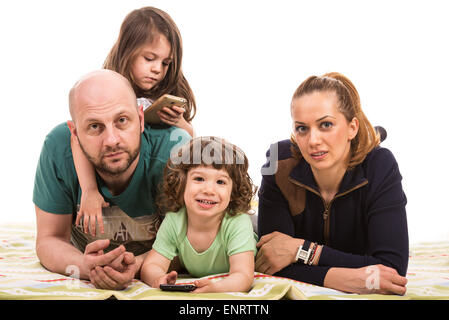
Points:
[(327, 206)]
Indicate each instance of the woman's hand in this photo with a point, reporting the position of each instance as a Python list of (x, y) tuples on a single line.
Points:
[(276, 251), (375, 279)]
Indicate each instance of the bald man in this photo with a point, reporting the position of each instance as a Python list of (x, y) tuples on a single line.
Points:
[(128, 157)]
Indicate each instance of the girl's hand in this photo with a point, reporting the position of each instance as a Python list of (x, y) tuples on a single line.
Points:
[(172, 116), (169, 278), (204, 286), (91, 208)]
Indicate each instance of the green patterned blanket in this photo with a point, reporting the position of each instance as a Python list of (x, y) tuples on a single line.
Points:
[(23, 277)]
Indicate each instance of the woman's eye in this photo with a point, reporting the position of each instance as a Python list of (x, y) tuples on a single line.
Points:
[(326, 125), (148, 59), (301, 129)]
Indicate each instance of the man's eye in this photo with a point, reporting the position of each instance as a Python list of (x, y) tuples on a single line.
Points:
[(122, 120)]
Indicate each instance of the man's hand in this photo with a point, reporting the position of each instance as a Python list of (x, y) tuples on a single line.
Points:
[(276, 251), (95, 256), (116, 276)]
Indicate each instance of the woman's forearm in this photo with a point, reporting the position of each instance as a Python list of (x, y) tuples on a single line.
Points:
[(374, 279)]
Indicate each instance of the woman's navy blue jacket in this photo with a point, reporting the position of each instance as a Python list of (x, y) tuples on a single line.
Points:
[(365, 223)]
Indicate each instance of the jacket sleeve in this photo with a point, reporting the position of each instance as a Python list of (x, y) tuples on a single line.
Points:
[(274, 215), (386, 222)]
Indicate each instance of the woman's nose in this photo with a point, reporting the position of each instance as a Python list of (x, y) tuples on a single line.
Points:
[(315, 137)]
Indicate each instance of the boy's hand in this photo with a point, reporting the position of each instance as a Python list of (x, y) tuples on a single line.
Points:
[(204, 285), (169, 278), (91, 208)]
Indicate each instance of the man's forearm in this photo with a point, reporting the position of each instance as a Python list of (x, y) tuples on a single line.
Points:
[(59, 256)]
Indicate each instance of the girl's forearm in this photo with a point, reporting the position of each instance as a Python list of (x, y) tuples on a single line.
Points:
[(187, 126), (84, 169), (235, 282), (150, 273)]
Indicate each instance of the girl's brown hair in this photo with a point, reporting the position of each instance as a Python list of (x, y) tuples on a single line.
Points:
[(206, 151), (140, 27), (349, 105)]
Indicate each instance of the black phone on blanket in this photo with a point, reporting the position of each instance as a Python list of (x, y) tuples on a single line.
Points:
[(177, 287)]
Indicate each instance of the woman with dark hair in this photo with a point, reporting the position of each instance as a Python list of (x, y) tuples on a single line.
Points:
[(333, 214)]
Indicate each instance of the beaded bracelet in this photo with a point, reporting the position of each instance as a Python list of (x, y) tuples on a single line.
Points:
[(312, 254)]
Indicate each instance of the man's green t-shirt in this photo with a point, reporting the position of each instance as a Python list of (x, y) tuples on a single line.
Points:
[(57, 190), (235, 235)]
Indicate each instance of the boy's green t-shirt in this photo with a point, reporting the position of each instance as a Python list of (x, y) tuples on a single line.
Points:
[(56, 186), (236, 235)]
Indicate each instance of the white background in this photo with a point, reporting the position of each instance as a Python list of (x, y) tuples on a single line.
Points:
[(243, 59)]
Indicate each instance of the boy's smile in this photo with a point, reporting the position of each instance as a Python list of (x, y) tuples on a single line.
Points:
[(207, 192)]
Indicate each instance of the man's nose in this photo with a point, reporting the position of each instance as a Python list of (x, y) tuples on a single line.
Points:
[(112, 137)]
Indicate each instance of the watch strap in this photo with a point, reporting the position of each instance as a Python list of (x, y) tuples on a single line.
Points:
[(303, 252)]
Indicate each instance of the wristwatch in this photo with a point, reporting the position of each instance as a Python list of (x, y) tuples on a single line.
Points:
[(303, 252)]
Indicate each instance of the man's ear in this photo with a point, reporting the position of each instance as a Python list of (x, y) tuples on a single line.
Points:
[(141, 118), (72, 127), (353, 128)]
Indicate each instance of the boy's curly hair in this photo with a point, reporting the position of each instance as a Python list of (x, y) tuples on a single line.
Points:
[(206, 151)]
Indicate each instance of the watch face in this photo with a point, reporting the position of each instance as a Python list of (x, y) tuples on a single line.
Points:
[(303, 255)]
